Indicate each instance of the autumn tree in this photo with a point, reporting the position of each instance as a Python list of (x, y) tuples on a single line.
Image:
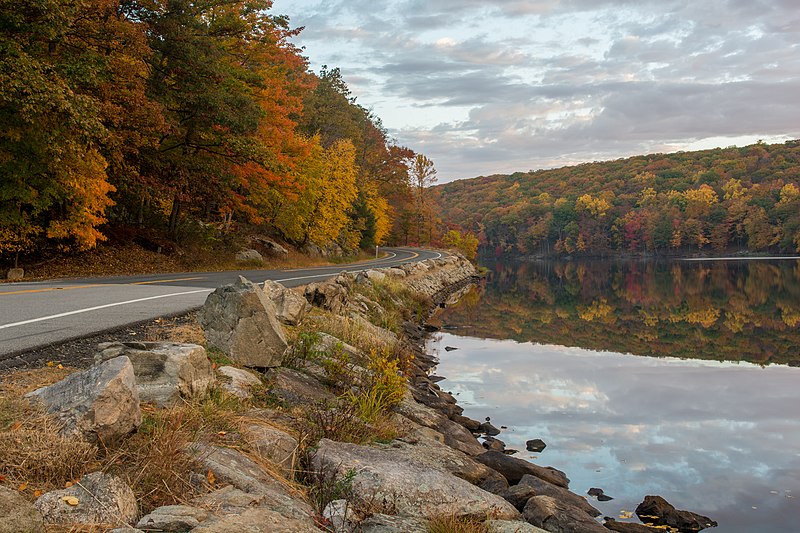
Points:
[(423, 175)]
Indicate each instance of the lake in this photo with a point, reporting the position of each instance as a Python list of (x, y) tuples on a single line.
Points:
[(673, 378)]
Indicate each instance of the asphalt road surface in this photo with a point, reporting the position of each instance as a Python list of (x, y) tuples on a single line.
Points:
[(42, 313)]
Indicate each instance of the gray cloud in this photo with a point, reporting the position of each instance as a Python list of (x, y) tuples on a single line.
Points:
[(541, 83)]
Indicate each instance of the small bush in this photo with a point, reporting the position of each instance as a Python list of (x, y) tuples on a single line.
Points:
[(327, 487)]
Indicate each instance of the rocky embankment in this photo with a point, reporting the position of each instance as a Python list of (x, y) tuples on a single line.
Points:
[(305, 411)]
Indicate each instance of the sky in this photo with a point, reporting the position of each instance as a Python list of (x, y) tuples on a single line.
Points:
[(497, 86)]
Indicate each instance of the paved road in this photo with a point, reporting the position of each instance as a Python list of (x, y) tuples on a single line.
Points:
[(42, 313)]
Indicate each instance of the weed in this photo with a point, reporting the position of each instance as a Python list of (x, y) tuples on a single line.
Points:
[(327, 487), (218, 357), (303, 349)]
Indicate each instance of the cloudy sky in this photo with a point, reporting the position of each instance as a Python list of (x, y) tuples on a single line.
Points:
[(496, 86)]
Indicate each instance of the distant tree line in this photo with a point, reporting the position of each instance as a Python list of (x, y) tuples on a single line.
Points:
[(721, 200), (160, 114)]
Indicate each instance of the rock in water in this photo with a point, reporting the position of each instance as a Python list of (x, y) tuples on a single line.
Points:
[(96, 499), (535, 445), (165, 372), (554, 515), (101, 403), (241, 321), (656, 510), (513, 469)]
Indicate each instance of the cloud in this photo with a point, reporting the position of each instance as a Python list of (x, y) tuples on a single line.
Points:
[(512, 85)]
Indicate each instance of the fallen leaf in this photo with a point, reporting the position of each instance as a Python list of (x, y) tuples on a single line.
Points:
[(51, 364), (37, 493), (222, 433), (15, 426), (60, 367), (22, 486), (2, 478), (68, 484), (71, 500), (211, 477)]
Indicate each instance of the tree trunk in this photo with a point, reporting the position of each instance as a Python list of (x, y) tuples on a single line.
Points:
[(174, 216)]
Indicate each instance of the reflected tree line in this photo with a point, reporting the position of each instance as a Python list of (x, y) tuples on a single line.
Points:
[(725, 311)]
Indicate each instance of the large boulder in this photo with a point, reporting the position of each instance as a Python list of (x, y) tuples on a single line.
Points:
[(387, 483), (240, 320), (249, 256), (543, 488), (329, 295), (166, 372), (556, 516), (656, 510), (17, 515), (97, 498), (513, 469), (101, 403), (290, 306)]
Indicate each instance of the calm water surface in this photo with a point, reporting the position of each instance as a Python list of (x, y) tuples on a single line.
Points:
[(643, 378)]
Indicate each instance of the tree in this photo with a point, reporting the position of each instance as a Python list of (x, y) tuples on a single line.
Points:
[(423, 175)]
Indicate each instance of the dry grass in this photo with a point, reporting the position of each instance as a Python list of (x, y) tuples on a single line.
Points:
[(455, 524), (176, 330)]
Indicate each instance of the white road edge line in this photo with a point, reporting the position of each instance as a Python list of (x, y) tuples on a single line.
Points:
[(106, 306)]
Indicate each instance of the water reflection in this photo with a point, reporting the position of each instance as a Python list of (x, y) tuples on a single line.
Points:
[(726, 311), (719, 438)]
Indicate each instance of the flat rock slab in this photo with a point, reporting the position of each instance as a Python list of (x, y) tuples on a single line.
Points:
[(238, 382), (559, 517), (511, 526), (231, 466), (297, 388), (97, 498), (166, 372), (101, 403), (258, 520), (173, 518), (17, 515), (513, 469), (382, 523), (388, 483), (273, 444), (543, 488)]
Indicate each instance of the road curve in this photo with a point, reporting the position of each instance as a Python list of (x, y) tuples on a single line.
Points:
[(36, 314)]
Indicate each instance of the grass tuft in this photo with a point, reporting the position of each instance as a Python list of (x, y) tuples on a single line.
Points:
[(456, 524)]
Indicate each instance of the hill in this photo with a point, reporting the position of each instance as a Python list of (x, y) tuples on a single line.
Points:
[(722, 200)]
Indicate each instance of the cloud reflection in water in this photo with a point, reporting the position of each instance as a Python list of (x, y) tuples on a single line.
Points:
[(715, 438)]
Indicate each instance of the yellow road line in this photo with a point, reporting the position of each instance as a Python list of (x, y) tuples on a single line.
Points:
[(29, 291), (164, 281)]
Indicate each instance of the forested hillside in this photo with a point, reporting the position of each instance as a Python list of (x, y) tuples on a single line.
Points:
[(176, 117), (721, 200)]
